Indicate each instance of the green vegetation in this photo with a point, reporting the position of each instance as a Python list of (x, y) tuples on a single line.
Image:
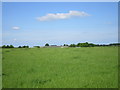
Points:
[(46, 44), (86, 44), (23, 47), (86, 67), (0, 68), (7, 46), (65, 45)]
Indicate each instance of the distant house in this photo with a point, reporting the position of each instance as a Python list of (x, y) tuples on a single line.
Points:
[(36, 46), (55, 46)]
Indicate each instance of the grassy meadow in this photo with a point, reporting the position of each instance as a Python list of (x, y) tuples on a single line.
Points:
[(0, 68), (87, 67)]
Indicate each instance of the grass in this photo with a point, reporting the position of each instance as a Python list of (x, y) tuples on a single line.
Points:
[(0, 68), (95, 67)]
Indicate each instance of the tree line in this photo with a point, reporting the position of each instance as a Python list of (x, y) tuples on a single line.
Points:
[(11, 46), (86, 44)]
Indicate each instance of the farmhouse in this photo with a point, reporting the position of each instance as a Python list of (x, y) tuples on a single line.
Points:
[(36, 46), (55, 46)]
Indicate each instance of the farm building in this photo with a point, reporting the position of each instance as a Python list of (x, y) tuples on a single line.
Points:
[(55, 46)]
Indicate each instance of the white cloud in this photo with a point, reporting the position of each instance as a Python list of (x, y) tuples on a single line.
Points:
[(55, 16), (15, 28)]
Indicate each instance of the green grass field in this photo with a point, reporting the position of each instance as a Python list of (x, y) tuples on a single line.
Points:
[(90, 67), (0, 68)]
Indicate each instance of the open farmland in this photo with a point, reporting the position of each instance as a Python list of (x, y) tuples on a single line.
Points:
[(90, 67)]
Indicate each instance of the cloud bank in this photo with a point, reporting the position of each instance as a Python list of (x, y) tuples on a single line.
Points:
[(15, 28), (56, 16)]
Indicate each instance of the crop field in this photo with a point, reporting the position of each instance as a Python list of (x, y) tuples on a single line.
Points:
[(86, 67)]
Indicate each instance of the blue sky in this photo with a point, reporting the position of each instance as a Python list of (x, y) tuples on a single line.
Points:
[(60, 0), (37, 23)]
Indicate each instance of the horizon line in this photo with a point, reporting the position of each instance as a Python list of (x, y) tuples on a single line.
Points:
[(63, 44)]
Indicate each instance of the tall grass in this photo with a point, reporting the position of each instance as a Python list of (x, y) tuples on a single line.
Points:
[(95, 67)]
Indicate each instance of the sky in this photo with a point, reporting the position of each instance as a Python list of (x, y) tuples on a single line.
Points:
[(60, 0), (58, 23)]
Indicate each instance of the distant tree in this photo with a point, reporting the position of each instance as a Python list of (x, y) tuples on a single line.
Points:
[(91, 45), (19, 47), (46, 44), (86, 44), (7, 46), (72, 45), (3, 46), (11, 46), (114, 44), (25, 47), (78, 45), (65, 45), (96, 44)]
